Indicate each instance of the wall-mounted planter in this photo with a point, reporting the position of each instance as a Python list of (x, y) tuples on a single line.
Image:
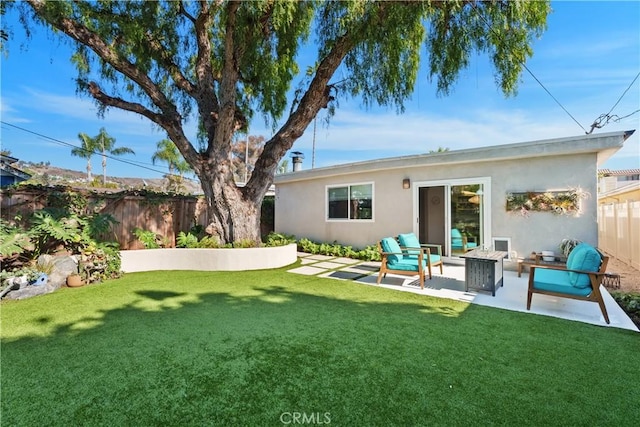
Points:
[(565, 202), (224, 259)]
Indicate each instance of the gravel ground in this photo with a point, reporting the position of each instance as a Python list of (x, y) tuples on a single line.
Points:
[(629, 276)]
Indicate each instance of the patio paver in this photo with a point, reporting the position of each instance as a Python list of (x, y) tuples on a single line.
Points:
[(511, 296)]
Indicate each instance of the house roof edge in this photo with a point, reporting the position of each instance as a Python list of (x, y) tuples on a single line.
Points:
[(605, 145)]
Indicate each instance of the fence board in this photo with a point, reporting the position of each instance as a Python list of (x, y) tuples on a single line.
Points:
[(166, 216), (619, 231)]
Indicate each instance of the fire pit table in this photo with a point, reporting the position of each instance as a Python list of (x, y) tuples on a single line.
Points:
[(483, 270)]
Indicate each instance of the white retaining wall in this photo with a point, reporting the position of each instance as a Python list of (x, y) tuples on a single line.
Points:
[(236, 259)]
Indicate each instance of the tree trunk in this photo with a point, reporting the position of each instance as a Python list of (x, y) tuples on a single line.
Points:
[(232, 216)]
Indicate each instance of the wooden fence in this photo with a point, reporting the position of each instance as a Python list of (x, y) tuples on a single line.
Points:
[(619, 231), (164, 215)]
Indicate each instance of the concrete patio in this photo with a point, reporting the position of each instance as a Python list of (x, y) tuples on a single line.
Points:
[(511, 296)]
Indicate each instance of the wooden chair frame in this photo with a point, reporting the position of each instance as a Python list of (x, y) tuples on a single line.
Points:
[(384, 268), (425, 248), (594, 277)]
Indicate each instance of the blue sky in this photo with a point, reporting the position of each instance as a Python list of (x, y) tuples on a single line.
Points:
[(587, 58)]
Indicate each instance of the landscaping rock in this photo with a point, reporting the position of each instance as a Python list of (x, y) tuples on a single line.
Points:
[(29, 291), (63, 266)]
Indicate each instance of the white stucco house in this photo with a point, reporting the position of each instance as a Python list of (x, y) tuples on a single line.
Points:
[(519, 198)]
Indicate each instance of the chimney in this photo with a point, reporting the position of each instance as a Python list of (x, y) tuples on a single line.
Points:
[(297, 157)]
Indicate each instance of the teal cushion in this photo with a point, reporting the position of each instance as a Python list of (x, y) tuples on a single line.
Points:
[(557, 281), (583, 257), (433, 259), (409, 240), (389, 244), (408, 265), (456, 239)]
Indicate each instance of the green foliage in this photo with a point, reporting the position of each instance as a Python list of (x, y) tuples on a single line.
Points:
[(148, 238), (369, 253), (209, 242), (52, 229), (244, 243), (186, 240), (61, 227), (232, 60), (279, 239), (189, 240), (32, 272), (13, 240), (567, 245), (100, 262), (630, 303)]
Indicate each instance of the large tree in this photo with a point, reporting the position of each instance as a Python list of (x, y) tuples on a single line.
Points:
[(223, 61)]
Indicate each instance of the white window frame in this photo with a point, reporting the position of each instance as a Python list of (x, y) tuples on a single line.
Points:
[(348, 185), (448, 183)]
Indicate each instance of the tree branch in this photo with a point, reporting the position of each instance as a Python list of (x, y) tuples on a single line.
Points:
[(112, 101), (185, 13), (163, 57), (84, 36)]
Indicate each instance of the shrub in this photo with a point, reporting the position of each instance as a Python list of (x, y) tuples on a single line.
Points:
[(149, 239), (369, 253), (279, 239), (630, 303)]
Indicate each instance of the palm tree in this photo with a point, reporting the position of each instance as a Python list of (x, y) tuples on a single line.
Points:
[(85, 151), (105, 144), (168, 152)]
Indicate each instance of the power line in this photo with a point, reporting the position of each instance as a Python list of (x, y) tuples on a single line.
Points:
[(606, 118), (527, 68), (553, 97), (57, 141)]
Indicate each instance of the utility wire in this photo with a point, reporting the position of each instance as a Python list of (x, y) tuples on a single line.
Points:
[(57, 141), (553, 97), (488, 26), (606, 118)]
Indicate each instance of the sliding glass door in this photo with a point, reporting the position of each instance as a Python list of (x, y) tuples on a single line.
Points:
[(466, 203), (454, 214)]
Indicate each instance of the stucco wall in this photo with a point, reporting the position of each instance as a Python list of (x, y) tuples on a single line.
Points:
[(300, 205)]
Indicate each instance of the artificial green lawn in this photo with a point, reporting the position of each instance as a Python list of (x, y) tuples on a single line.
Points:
[(254, 348)]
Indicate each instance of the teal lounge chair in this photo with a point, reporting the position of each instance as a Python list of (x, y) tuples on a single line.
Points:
[(409, 242), (580, 279), (461, 243), (398, 261)]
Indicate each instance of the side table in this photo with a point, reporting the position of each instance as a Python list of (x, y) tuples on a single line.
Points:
[(483, 270), (522, 262)]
